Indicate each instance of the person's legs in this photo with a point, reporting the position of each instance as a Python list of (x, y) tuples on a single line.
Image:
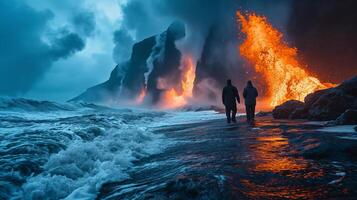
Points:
[(250, 113), (228, 114), (253, 112), (247, 112), (234, 112)]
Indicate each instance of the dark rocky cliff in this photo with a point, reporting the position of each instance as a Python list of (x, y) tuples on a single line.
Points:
[(151, 58)]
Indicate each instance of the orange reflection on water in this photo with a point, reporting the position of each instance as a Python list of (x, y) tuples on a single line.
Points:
[(268, 151), (278, 192)]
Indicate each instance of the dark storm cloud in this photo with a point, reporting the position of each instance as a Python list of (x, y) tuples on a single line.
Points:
[(66, 45), (84, 23), (25, 56), (123, 41), (142, 19), (325, 32), (147, 18)]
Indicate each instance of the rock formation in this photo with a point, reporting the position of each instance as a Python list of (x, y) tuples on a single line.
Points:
[(334, 103), (151, 58)]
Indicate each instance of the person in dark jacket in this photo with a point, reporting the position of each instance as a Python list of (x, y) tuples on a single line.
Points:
[(229, 97), (250, 94)]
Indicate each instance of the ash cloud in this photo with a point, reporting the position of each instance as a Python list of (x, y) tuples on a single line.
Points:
[(29, 47), (324, 31)]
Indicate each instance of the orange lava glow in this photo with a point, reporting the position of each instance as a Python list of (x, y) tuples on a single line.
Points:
[(174, 98), (140, 98), (271, 57)]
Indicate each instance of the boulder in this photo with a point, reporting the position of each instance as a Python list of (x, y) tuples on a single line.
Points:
[(331, 103), (349, 117), (285, 110), (349, 86), (299, 113), (328, 104)]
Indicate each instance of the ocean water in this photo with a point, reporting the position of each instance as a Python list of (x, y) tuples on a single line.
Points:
[(67, 151)]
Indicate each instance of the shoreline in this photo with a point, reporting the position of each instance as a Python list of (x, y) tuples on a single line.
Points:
[(273, 159)]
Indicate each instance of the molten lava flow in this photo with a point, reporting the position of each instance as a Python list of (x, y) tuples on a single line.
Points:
[(188, 78), (276, 61), (173, 98), (141, 96)]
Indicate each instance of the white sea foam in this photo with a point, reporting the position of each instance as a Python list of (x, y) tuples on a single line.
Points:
[(79, 171), (69, 154), (187, 117)]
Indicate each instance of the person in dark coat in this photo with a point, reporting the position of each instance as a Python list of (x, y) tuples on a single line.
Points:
[(250, 94), (229, 97)]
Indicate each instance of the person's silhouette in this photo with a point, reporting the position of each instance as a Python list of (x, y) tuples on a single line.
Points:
[(229, 96), (250, 94)]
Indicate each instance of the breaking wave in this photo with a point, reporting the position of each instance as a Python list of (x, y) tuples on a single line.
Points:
[(51, 150), (69, 150)]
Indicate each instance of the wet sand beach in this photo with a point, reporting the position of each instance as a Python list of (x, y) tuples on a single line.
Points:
[(271, 160)]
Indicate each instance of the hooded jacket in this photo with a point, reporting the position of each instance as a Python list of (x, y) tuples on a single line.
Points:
[(250, 94), (229, 96)]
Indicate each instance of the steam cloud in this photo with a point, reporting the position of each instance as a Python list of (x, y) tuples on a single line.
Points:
[(28, 47)]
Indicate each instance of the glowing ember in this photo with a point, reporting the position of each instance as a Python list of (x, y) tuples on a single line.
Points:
[(276, 61), (174, 99), (141, 96)]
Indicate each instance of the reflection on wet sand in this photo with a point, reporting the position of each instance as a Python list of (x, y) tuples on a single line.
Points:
[(271, 191), (268, 150), (219, 161)]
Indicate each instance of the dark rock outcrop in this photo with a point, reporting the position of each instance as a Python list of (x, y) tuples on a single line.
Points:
[(151, 58), (285, 110), (347, 118), (326, 104), (217, 63)]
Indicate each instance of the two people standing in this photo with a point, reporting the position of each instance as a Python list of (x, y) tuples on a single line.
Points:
[(230, 95)]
